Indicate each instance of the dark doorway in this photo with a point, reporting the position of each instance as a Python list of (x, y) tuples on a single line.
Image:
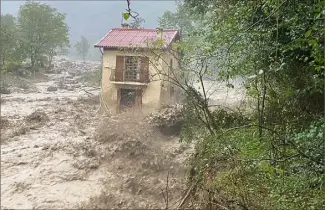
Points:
[(128, 98)]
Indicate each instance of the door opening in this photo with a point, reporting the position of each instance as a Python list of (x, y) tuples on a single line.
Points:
[(128, 98)]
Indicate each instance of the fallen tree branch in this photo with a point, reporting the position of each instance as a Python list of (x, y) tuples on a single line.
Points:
[(185, 197), (165, 194), (86, 91)]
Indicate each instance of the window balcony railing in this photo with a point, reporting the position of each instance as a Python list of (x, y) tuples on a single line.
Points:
[(129, 76)]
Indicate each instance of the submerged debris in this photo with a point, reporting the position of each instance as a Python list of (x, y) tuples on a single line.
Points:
[(61, 159), (4, 90), (4, 122), (168, 119), (52, 89), (37, 117)]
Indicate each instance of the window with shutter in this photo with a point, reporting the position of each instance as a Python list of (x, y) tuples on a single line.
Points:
[(132, 68)]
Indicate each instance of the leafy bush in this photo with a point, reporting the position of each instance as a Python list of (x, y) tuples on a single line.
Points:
[(243, 167)]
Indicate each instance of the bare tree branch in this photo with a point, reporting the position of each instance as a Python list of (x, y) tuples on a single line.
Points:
[(131, 11)]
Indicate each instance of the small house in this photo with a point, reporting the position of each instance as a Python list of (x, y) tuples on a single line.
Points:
[(134, 76)]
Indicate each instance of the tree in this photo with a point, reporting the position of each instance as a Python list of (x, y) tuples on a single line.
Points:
[(43, 30), (182, 19), (277, 46), (60, 38), (137, 22), (267, 157), (82, 47), (11, 55)]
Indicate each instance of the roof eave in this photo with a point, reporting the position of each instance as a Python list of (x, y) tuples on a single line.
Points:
[(129, 48), (97, 44)]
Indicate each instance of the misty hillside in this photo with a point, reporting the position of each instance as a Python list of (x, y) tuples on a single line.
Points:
[(93, 19)]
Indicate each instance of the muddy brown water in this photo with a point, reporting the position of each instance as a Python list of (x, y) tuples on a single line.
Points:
[(61, 162), (35, 174)]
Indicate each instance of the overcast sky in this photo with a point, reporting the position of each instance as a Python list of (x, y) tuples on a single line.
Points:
[(93, 19)]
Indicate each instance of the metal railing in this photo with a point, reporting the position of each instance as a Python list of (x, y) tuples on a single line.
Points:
[(130, 76)]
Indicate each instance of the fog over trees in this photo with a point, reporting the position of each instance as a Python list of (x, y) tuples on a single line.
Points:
[(93, 19)]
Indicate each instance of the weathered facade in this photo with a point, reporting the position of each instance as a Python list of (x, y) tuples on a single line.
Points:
[(133, 76)]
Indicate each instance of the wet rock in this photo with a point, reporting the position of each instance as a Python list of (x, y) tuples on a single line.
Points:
[(58, 71), (63, 87), (16, 138), (21, 130), (4, 122), (52, 89), (37, 117), (78, 73), (2, 100), (70, 89), (4, 90), (45, 99), (70, 81), (48, 71), (72, 73)]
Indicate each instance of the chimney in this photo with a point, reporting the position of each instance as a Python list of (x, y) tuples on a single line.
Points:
[(125, 25), (160, 32)]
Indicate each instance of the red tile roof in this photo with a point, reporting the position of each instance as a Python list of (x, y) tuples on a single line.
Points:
[(126, 37)]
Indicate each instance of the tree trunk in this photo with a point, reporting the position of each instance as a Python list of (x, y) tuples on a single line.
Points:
[(50, 61), (51, 55), (32, 61)]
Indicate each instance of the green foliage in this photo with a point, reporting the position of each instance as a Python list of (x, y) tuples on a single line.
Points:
[(126, 15), (137, 22), (193, 127), (238, 165), (42, 29), (310, 142), (82, 47), (40, 33), (182, 19), (272, 159), (11, 55)]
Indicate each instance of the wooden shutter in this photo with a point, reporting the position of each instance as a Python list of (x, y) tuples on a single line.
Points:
[(119, 68), (144, 70)]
